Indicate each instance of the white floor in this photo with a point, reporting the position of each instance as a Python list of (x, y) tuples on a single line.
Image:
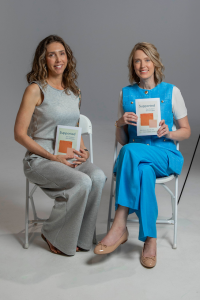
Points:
[(38, 274)]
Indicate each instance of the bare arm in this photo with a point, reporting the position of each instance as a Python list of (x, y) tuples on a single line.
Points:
[(180, 134), (31, 98), (124, 119), (122, 135), (122, 127), (82, 147)]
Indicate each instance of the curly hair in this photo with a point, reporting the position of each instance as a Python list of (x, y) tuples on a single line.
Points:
[(151, 51), (39, 70)]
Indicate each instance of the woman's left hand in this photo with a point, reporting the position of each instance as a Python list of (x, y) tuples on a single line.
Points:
[(163, 130), (81, 157)]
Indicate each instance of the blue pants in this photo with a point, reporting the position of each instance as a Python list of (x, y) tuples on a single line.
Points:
[(138, 165)]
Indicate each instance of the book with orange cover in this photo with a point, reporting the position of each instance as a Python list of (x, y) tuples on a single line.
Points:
[(67, 137), (149, 116)]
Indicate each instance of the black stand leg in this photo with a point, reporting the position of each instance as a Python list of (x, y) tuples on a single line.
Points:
[(189, 169)]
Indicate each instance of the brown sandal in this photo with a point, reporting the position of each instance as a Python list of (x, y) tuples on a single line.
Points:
[(43, 237)]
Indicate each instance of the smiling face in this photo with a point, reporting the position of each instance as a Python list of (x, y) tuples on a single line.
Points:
[(143, 66), (56, 59)]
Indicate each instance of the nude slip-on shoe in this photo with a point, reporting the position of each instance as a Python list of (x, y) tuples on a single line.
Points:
[(104, 249), (148, 262)]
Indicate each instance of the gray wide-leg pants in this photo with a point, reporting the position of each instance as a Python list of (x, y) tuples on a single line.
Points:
[(77, 193)]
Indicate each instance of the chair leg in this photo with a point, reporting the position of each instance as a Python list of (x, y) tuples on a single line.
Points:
[(26, 215), (110, 204), (95, 237), (32, 202), (175, 214), (175, 226), (172, 201)]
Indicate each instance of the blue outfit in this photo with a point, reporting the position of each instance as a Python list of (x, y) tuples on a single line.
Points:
[(144, 159)]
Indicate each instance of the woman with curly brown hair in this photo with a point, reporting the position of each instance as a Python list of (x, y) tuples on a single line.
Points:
[(144, 158), (53, 98)]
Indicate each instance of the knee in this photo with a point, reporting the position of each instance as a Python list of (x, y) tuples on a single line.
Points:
[(98, 176), (146, 170), (85, 182)]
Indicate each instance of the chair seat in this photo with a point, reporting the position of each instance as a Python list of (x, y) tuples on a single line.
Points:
[(158, 180), (164, 179)]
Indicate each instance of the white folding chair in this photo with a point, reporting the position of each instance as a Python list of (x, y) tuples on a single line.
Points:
[(161, 181), (86, 126)]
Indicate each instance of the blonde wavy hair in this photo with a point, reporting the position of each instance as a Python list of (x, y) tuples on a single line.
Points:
[(39, 70), (151, 51)]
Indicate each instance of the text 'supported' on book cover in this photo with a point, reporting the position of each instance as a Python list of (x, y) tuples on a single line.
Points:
[(67, 137), (149, 117)]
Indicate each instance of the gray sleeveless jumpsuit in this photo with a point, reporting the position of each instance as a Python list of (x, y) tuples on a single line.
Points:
[(77, 192)]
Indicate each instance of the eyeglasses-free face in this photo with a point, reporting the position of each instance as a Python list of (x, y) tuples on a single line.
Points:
[(56, 59), (143, 66)]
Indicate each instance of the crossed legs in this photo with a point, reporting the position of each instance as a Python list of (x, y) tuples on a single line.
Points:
[(138, 166)]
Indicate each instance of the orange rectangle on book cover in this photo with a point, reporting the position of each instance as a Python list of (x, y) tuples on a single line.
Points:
[(63, 145), (145, 119)]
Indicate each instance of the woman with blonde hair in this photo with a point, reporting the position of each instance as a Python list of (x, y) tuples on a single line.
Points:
[(144, 158), (53, 98)]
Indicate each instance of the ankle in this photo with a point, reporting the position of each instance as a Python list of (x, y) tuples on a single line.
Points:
[(150, 241), (118, 227)]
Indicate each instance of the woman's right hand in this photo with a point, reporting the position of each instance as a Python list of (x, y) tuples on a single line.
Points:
[(127, 119), (63, 159)]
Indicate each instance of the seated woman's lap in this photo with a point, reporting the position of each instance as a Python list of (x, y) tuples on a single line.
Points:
[(142, 154), (51, 174)]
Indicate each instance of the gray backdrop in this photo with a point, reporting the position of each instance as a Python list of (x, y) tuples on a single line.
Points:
[(101, 35)]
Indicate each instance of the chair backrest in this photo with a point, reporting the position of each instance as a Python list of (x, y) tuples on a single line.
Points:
[(86, 126)]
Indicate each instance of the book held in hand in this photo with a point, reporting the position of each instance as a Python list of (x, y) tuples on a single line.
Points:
[(67, 139), (149, 116)]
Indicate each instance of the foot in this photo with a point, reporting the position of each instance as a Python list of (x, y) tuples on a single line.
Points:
[(105, 249), (149, 247), (118, 227), (114, 234), (79, 249), (54, 249)]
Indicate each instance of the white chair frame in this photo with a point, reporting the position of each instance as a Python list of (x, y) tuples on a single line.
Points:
[(86, 126), (161, 181)]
